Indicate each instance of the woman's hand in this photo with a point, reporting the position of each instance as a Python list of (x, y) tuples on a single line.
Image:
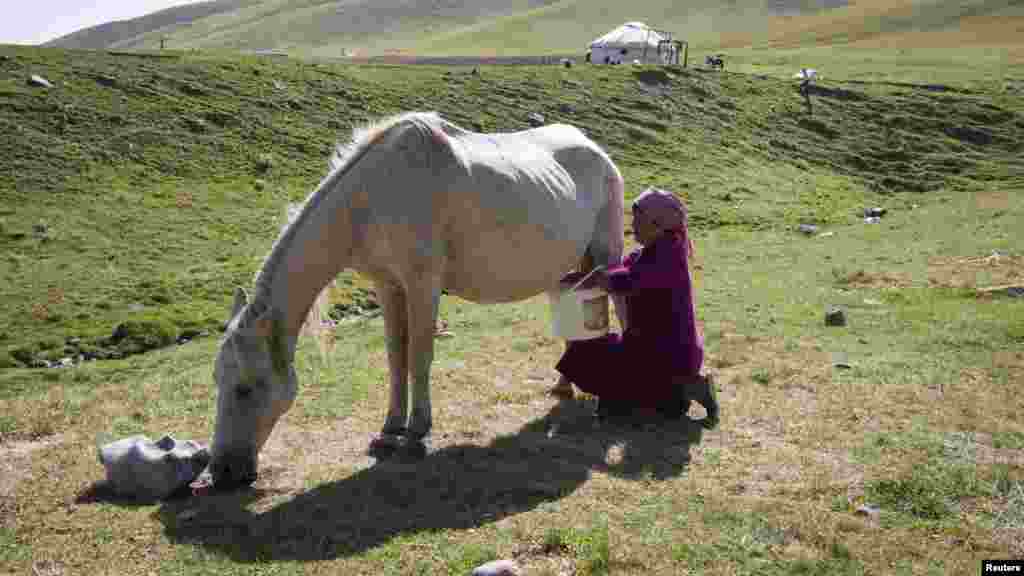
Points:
[(598, 278)]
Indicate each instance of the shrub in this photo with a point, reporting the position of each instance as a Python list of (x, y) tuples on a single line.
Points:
[(146, 333)]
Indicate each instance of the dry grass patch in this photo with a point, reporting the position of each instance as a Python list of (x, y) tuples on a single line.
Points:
[(977, 272)]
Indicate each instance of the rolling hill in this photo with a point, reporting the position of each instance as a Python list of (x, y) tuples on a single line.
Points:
[(525, 27), (517, 27)]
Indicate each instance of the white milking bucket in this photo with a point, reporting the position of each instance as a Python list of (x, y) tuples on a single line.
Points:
[(579, 314)]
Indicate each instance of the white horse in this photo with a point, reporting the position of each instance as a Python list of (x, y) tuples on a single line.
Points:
[(418, 205)]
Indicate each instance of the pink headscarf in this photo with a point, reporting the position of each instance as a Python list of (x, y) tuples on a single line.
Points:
[(666, 211)]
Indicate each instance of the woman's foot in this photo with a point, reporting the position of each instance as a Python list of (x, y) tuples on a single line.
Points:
[(708, 398), (563, 390)]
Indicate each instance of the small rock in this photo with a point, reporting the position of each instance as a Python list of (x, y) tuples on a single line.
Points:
[(869, 510), (105, 80), (565, 108), (498, 568), (872, 220), (279, 85), (195, 125), (40, 229), (36, 80), (535, 119), (808, 229), (566, 62), (835, 316), (875, 212), (826, 234), (65, 362)]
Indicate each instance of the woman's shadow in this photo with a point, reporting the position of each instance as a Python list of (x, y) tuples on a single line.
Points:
[(455, 487)]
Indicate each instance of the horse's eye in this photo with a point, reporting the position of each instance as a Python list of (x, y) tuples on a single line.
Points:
[(243, 392)]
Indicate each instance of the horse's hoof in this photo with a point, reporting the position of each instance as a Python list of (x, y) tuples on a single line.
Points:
[(416, 448), (385, 445)]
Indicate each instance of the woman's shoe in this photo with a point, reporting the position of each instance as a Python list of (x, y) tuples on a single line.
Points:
[(563, 390), (708, 398)]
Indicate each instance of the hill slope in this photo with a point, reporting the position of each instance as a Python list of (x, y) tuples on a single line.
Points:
[(526, 27), (168, 162)]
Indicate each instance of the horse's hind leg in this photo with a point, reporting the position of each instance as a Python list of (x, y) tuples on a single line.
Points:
[(424, 297), (393, 300), (607, 243)]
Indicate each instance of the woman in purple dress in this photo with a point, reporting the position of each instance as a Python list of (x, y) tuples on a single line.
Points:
[(654, 366)]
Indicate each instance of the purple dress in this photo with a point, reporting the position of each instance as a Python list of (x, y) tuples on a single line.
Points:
[(660, 350)]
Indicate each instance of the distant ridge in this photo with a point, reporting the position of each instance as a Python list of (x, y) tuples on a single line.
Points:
[(521, 28), (119, 33)]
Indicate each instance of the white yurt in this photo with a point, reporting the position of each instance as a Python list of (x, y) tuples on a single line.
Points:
[(633, 41)]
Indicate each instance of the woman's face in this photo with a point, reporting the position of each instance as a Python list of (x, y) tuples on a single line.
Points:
[(643, 227)]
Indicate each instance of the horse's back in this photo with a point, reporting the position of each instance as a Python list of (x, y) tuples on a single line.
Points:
[(529, 201)]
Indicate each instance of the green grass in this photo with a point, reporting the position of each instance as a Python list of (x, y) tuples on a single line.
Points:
[(923, 424)]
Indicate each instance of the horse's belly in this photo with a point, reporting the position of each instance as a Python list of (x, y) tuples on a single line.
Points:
[(504, 265)]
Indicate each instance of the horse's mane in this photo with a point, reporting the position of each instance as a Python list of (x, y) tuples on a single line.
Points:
[(344, 157)]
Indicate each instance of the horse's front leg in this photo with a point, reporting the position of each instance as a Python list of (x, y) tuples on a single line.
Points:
[(396, 327), (423, 300)]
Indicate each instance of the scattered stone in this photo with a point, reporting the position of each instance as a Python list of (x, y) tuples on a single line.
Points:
[(826, 234), (868, 510), (808, 229), (195, 125), (105, 80), (535, 119), (1014, 291), (872, 220), (835, 316), (474, 72), (498, 568), (566, 108), (36, 80), (279, 85), (65, 362), (840, 360), (875, 212), (193, 89), (566, 62)]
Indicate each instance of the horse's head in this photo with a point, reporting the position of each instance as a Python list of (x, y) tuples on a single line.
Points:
[(256, 384)]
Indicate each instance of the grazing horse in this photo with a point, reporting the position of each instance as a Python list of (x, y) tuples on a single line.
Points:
[(418, 205)]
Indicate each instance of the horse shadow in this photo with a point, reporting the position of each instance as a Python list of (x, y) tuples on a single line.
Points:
[(455, 487)]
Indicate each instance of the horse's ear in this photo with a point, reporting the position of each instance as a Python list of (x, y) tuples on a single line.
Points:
[(241, 299)]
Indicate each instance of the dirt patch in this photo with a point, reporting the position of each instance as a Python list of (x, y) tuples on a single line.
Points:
[(15, 458), (995, 269), (862, 278)]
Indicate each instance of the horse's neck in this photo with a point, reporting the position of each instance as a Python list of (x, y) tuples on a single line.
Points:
[(304, 262)]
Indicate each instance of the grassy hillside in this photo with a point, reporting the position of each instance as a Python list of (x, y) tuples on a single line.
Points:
[(129, 32), (169, 163), (531, 27)]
